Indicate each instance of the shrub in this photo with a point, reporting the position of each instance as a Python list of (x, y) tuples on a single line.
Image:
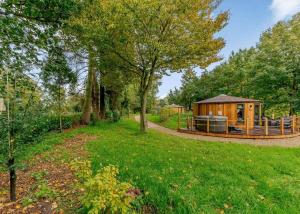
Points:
[(109, 115), (93, 120), (30, 128), (103, 193), (116, 116), (37, 125)]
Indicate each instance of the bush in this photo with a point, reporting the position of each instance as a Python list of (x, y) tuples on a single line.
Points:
[(113, 116), (103, 193), (116, 116), (109, 115), (93, 120), (31, 127)]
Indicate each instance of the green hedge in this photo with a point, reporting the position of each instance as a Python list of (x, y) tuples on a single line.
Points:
[(28, 129)]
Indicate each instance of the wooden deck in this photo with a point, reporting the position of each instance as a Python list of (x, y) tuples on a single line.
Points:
[(257, 133)]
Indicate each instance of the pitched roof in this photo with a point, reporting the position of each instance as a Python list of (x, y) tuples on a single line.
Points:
[(227, 99), (174, 106)]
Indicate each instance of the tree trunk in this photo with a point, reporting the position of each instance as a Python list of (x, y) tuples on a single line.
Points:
[(143, 119), (59, 111), (294, 93), (12, 178), (10, 138), (102, 102), (95, 96), (113, 101), (86, 115)]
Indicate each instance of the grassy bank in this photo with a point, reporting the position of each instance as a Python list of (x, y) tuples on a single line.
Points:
[(171, 122), (185, 176)]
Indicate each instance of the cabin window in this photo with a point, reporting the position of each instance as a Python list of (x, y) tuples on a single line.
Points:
[(240, 113)]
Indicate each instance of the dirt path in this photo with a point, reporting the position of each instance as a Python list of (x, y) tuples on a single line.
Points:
[(289, 142)]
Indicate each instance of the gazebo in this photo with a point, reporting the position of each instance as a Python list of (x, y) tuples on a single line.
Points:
[(237, 110)]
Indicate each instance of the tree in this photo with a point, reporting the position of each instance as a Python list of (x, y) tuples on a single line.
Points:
[(153, 37), (268, 72), (188, 89), (26, 27), (279, 63), (56, 74)]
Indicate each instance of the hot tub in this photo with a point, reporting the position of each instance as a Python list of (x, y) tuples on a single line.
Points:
[(217, 124)]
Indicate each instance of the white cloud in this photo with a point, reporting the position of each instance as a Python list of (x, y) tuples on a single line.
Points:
[(284, 8)]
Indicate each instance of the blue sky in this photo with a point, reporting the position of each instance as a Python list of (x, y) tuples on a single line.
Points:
[(248, 19)]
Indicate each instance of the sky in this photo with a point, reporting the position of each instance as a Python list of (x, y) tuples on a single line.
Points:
[(248, 19)]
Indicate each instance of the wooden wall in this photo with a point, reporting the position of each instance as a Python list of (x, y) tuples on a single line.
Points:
[(227, 109)]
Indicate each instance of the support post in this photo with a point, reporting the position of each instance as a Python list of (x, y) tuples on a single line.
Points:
[(192, 123), (260, 115), (266, 127), (293, 124), (207, 125), (247, 126), (227, 126), (187, 122), (178, 125), (282, 125)]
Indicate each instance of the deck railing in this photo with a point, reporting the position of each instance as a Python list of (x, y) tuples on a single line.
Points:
[(261, 127)]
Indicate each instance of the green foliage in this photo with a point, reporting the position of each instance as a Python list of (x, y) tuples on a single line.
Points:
[(116, 116), (146, 39), (103, 193), (93, 119), (30, 128), (38, 125), (268, 72)]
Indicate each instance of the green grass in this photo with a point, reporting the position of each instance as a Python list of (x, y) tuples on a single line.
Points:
[(171, 122), (186, 176)]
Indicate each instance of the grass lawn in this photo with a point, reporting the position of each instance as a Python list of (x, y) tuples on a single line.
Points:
[(171, 122), (186, 176)]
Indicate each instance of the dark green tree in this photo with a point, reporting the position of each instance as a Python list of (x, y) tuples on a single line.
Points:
[(56, 75)]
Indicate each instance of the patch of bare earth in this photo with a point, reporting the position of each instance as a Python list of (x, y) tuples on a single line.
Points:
[(58, 176)]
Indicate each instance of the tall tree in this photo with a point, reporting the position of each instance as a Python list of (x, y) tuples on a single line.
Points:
[(153, 37), (56, 74)]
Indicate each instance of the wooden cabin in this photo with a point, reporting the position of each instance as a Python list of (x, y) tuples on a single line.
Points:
[(238, 110), (174, 109)]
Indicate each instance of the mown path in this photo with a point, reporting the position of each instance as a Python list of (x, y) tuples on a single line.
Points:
[(288, 142)]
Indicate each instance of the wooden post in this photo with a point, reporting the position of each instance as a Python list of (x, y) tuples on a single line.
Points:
[(282, 125), (207, 125), (247, 126), (266, 126), (178, 125), (260, 115), (192, 123), (187, 122), (293, 124), (227, 126)]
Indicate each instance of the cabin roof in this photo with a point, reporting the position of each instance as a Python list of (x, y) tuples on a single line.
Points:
[(174, 106), (227, 99)]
